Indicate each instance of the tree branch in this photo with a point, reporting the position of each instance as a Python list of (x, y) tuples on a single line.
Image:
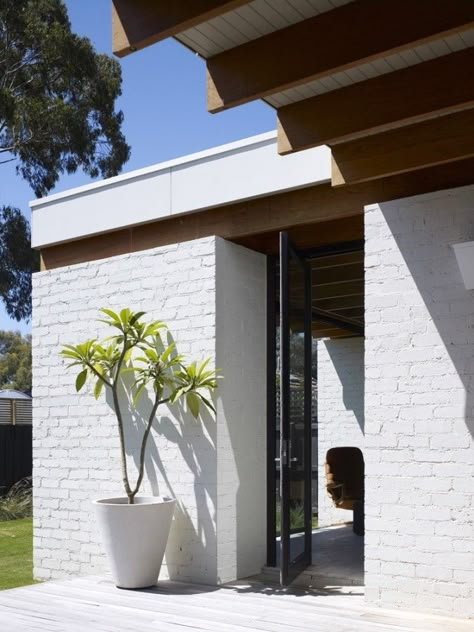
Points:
[(118, 414), (97, 374), (141, 470)]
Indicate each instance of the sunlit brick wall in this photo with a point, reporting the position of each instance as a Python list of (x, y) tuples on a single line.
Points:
[(419, 405)]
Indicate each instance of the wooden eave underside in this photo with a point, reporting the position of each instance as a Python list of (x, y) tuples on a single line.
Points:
[(335, 213), (352, 74)]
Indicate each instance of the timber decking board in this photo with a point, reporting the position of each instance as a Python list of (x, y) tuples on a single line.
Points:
[(95, 605)]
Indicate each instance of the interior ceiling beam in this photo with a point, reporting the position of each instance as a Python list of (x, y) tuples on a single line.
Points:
[(337, 40), (434, 142), (438, 86), (140, 23), (323, 316)]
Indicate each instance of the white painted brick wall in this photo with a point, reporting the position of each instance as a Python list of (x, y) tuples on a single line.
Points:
[(241, 419), (340, 412), (76, 452), (419, 405)]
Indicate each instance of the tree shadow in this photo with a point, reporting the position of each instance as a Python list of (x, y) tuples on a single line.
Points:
[(440, 330), (180, 444), (352, 380)]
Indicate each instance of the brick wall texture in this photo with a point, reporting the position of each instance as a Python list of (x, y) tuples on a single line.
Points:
[(419, 397), (76, 449), (419, 421), (340, 412)]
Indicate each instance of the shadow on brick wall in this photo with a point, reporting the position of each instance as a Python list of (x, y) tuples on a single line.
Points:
[(181, 462), (441, 326)]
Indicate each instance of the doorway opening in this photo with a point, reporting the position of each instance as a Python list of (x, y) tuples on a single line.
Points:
[(315, 465)]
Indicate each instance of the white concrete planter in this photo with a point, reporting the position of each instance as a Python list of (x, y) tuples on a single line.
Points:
[(134, 537)]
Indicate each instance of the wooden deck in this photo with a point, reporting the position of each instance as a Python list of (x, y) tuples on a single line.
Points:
[(93, 604)]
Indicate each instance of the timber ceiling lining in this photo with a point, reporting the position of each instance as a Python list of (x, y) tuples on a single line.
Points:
[(337, 295), (250, 22), (342, 73), (384, 65), (338, 290)]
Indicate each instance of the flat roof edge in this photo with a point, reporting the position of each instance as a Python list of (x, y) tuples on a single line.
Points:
[(232, 173), (188, 159)]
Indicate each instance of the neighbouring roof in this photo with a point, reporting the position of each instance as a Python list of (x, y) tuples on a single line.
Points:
[(12, 394)]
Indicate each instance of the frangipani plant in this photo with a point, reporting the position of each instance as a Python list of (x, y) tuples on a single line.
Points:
[(138, 348)]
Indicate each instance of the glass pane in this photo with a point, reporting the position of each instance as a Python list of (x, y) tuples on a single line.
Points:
[(296, 450), (277, 439)]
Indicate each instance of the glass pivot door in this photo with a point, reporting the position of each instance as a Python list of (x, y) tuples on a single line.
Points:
[(295, 412)]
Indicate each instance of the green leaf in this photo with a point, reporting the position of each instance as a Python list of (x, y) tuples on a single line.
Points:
[(192, 401), (208, 403), (176, 395), (202, 366), (136, 317), (138, 392), (81, 380), (99, 385), (166, 353), (112, 315), (151, 355), (125, 315)]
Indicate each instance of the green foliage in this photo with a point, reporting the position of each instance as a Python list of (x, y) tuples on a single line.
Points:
[(138, 349), (157, 365), (15, 361), (57, 114), (57, 97), (296, 518), (16, 553), (17, 262), (18, 503)]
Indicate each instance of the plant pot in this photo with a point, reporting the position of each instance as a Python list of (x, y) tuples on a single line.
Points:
[(134, 537)]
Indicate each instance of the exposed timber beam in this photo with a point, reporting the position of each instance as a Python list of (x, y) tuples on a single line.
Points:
[(140, 23), (355, 33), (415, 93), (434, 142), (320, 203), (328, 318), (323, 317)]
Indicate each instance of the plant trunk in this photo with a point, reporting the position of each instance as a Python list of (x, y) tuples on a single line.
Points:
[(141, 470)]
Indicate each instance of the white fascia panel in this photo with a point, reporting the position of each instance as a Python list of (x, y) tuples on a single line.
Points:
[(245, 174), (101, 210), (231, 173)]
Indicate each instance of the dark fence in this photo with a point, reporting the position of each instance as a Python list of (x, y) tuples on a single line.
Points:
[(16, 454)]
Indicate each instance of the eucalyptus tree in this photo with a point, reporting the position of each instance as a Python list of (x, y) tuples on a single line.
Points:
[(57, 109)]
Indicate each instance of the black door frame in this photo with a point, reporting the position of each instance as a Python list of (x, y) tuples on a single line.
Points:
[(272, 308), (290, 569)]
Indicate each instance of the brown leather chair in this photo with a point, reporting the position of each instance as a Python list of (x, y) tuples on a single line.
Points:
[(345, 481)]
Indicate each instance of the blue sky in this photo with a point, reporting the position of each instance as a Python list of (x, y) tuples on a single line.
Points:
[(164, 104)]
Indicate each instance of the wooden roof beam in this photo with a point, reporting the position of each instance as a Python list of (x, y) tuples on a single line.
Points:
[(405, 96), (320, 203), (339, 39), (137, 24), (435, 142)]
